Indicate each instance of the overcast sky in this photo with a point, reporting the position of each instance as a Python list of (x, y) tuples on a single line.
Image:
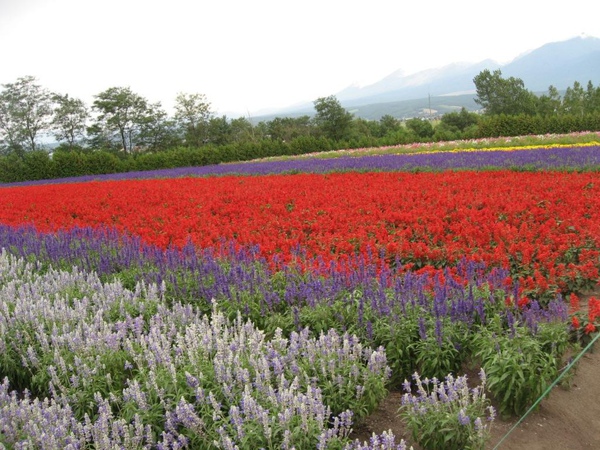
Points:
[(246, 55)]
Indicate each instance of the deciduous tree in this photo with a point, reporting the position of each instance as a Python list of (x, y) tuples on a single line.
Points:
[(499, 95), (574, 100), (421, 127), (549, 104), (157, 131), (25, 113), (460, 120), (122, 111), (592, 98), (331, 118), (242, 130), (69, 120), (193, 113), (388, 124), (288, 128)]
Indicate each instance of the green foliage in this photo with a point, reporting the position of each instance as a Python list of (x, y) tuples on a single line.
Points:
[(521, 125), (443, 350), (37, 165), (97, 163), (459, 120), (331, 118), (398, 339), (549, 104), (447, 415), (309, 144), (25, 112), (12, 168), (284, 129), (498, 95), (126, 121), (123, 112), (156, 131), (422, 128), (69, 120), (518, 368), (574, 100), (192, 114), (69, 164), (445, 132), (388, 125)]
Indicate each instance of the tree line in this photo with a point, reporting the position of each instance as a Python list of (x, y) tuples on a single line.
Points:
[(498, 95), (125, 123), (122, 120)]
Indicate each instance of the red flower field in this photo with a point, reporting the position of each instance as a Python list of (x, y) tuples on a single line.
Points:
[(545, 226)]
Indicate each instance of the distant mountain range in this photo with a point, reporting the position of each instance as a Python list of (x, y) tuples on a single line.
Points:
[(448, 88)]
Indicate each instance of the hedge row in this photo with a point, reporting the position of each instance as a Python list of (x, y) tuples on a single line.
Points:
[(39, 165), (521, 125)]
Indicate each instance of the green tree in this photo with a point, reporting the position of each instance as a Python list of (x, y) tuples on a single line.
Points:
[(549, 104), (498, 95), (69, 120), (445, 132), (364, 128), (459, 120), (99, 138), (592, 98), (25, 113), (193, 113), (331, 118), (157, 131), (285, 129), (242, 130), (574, 100), (219, 130), (11, 137), (421, 127), (121, 111), (388, 124)]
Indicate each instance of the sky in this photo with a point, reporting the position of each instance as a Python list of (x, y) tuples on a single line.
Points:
[(248, 56)]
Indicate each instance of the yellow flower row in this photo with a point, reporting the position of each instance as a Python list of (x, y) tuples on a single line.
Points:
[(505, 149)]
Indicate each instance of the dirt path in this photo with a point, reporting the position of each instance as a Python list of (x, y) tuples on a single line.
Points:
[(567, 419)]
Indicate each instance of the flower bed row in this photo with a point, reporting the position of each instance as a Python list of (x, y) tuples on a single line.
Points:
[(115, 364), (121, 367), (430, 324), (70, 335), (545, 227), (581, 157)]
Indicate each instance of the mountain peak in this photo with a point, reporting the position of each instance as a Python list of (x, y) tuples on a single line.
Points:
[(559, 64)]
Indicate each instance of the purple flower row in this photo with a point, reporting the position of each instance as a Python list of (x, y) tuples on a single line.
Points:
[(241, 281), (571, 158), (84, 342), (139, 319), (49, 424)]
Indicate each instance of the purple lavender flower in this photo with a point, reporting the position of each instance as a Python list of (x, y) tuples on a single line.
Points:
[(463, 419)]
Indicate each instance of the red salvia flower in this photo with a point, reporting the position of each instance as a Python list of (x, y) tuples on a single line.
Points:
[(529, 222), (574, 301), (523, 302)]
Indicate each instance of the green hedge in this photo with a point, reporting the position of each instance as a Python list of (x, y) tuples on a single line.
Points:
[(38, 165), (521, 125)]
